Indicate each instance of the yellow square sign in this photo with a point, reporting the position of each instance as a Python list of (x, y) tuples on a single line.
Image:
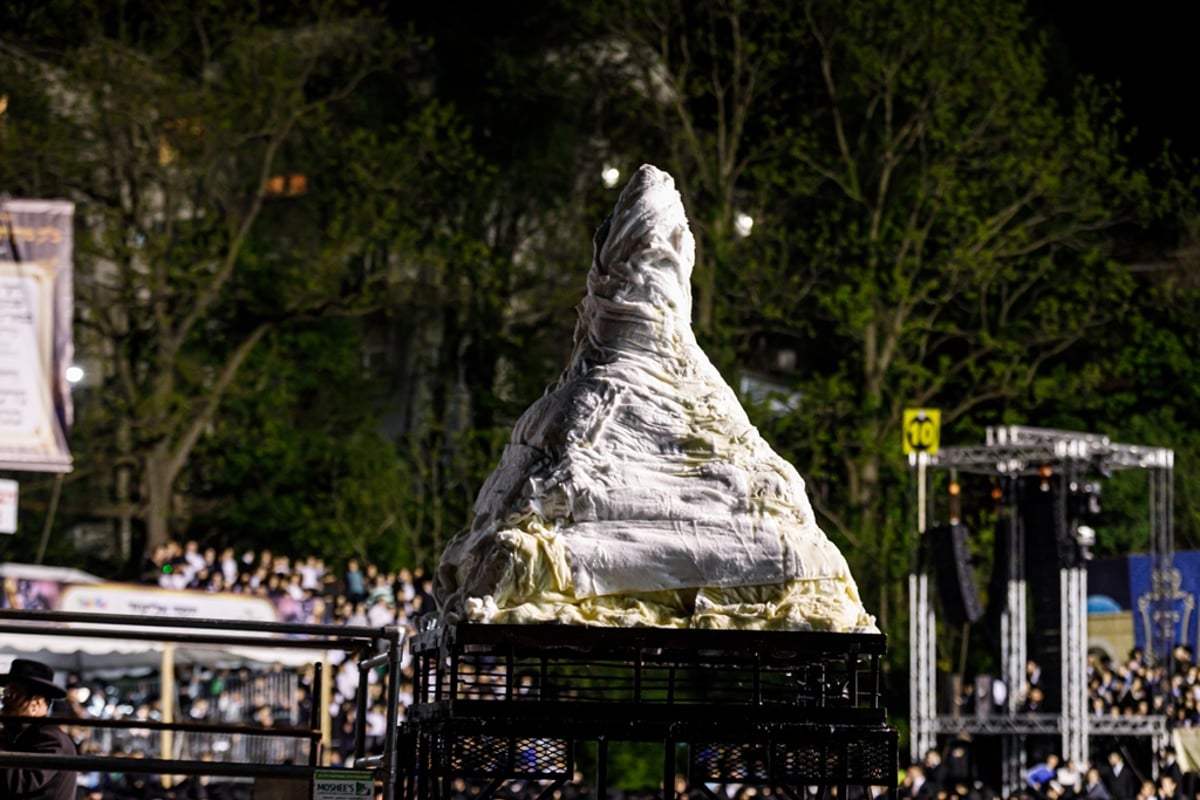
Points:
[(922, 430)]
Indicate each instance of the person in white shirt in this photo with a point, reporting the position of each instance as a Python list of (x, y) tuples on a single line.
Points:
[(229, 566), (311, 573), (193, 557), (382, 612)]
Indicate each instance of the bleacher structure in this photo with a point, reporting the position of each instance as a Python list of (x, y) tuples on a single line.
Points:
[(499, 704), (1064, 461)]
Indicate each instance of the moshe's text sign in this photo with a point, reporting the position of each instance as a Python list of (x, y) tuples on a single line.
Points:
[(343, 784)]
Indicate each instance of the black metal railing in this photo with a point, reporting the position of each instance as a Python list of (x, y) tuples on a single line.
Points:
[(291, 752)]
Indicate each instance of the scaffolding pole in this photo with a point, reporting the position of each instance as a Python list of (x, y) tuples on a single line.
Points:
[(1074, 717)]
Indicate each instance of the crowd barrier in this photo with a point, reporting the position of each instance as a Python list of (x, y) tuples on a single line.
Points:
[(284, 759)]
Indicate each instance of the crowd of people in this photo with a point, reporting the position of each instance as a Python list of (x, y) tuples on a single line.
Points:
[(1119, 768), (1137, 688), (359, 593), (256, 695), (306, 590), (1132, 688), (301, 591), (949, 775)]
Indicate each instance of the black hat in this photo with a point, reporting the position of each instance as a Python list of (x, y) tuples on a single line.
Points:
[(34, 675)]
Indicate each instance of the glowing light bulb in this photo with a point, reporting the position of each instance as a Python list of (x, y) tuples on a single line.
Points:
[(743, 224)]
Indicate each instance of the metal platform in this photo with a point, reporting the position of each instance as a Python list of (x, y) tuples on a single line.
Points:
[(1051, 725), (1015, 450), (500, 703), (1063, 461)]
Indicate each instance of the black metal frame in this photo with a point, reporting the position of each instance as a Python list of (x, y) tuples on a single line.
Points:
[(786, 709), (373, 647)]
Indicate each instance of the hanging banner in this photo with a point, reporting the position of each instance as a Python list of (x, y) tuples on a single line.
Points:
[(8, 506), (1125, 586), (36, 347), (1179, 589)]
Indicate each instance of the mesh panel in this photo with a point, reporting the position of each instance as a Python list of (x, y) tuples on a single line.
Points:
[(810, 763), (542, 757), (873, 761), (476, 755), (720, 763), (494, 756), (868, 760)]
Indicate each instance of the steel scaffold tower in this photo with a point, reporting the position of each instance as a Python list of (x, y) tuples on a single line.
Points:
[(1010, 453)]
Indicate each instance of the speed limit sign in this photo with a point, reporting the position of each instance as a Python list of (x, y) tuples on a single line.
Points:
[(922, 429)]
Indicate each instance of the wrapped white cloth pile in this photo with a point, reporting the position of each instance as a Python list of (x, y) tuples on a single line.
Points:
[(636, 492)]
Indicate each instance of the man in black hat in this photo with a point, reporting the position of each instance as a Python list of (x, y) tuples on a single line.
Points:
[(29, 689), (1167, 765)]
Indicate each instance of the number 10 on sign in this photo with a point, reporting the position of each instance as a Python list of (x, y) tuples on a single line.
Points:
[(922, 429)]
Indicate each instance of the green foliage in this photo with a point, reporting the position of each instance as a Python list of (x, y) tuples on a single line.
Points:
[(951, 241), (934, 226), (1135, 384), (298, 455), (222, 165), (632, 766)]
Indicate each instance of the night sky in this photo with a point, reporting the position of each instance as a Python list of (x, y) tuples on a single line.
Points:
[(1148, 49)]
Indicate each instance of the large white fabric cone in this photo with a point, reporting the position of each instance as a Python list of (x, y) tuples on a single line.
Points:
[(636, 491)]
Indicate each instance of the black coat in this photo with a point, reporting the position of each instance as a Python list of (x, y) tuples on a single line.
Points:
[(1123, 786), (33, 783), (1174, 770)]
